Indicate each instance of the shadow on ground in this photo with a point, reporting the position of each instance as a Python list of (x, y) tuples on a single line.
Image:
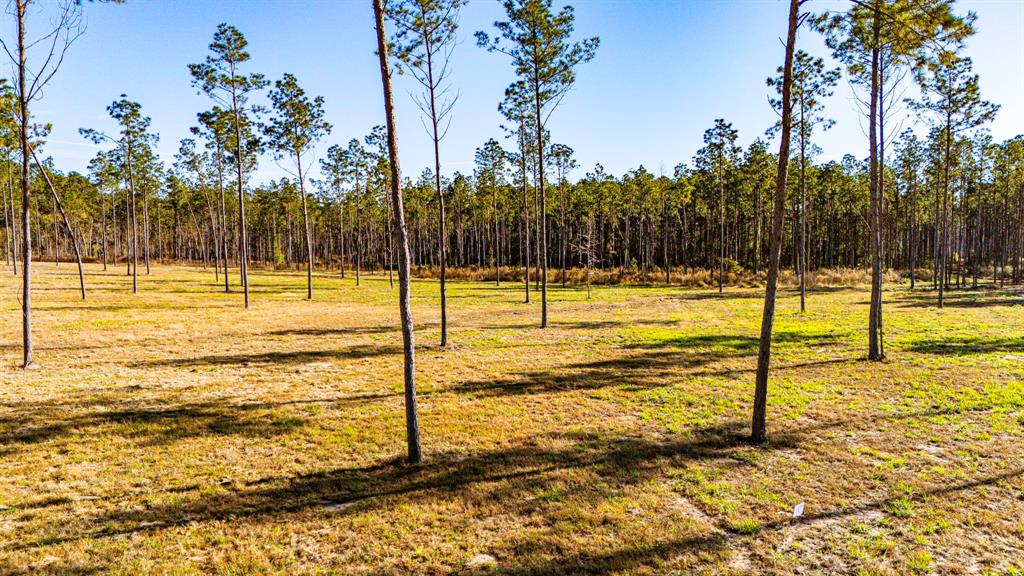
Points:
[(291, 357), (962, 345), (646, 365), (512, 475), (962, 298)]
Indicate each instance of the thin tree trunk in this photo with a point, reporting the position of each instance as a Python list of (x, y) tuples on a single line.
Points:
[(875, 351), (56, 239), (26, 213), (911, 231), (127, 240), (134, 262), (758, 425), (359, 239), (415, 454), (721, 225), (757, 229), (664, 242), (7, 231), (243, 249), (341, 226), (802, 259), (442, 233), (497, 248), (14, 226), (542, 247), (309, 233), (214, 233), (526, 213), (561, 225), (223, 217), (590, 248), (391, 249), (943, 241), (145, 227)]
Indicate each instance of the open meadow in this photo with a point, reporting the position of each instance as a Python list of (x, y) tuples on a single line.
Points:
[(174, 432)]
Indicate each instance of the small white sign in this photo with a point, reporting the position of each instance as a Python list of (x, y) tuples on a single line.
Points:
[(798, 510)]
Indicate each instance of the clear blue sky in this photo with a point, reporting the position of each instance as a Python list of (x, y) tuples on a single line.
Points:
[(665, 70)]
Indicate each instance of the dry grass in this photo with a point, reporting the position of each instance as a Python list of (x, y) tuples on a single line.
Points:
[(172, 432)]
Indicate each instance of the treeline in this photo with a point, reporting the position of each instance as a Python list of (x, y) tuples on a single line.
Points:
[(950, 200), (639, 220)]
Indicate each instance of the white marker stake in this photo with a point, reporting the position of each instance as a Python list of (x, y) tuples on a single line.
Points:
[(798, 510)]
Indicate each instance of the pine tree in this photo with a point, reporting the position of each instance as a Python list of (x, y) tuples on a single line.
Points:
[(422, 44), (758, 431), (490, 175), (950, 91), (298, 124), (219, 78), (415, 453), (537, 41), (812, 83), (720, 154)]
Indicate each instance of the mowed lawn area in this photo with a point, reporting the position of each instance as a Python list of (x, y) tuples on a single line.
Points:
[(174, 432)]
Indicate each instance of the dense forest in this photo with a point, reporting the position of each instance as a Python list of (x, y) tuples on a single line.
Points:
[(639, 221)]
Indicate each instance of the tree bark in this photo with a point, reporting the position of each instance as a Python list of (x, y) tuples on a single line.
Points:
[(497, 247), (8, 247), (26, 213), (134, 261), (721, 225), (415, 454), (526, 211), (145, 228), (223, 215), (243, 249), (341, 227), (802, 259), (309, 233), (944, 234), (442, 232), (758, 425), (103, 223), (542, 248), (875, 351)]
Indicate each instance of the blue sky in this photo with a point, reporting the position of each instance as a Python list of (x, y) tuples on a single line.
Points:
[(664, 71)]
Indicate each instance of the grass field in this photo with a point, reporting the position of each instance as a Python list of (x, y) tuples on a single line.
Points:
[(173, 432)]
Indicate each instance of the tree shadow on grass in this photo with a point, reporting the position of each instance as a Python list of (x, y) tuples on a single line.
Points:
[(775, 367), (963, 345), (630, 557), (512, 475), (634, 371), (218, 288), (153, 426), (62, 348), (291, 357), (738, 343), (642, 366), (336, 331), (135, 307), (707, 294), (585, 324), (516, 476), (348, 331), (958, 299)]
